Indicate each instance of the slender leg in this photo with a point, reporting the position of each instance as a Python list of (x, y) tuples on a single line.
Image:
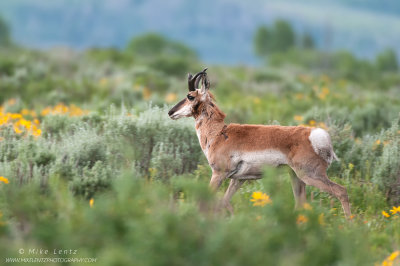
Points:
[(234, 185), (216, 180), (323, 183), (299, 190)]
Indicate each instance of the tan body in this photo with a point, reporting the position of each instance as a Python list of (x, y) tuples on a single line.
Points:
[(239, 152), (240, 143)]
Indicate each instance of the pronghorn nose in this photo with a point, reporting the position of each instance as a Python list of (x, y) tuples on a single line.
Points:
[(170, 112)]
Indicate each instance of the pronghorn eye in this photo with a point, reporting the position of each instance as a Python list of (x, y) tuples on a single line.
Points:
[(191, 98)]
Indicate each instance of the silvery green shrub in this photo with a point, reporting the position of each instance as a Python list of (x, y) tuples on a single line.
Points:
[(387, 168), (85, 150), (158, 143), (92, 180)]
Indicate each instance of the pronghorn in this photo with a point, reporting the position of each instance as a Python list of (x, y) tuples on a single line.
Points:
[(239, 151)]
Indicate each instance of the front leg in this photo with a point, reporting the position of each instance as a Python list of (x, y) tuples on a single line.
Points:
[(216, 180), (234, 185)]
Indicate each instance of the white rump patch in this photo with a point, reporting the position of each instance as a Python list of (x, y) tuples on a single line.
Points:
[(321, 143)]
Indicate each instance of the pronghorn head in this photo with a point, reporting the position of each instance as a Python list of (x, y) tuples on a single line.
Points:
[(195, 98)]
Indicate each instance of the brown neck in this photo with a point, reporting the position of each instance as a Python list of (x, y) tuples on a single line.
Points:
[(209, 123)]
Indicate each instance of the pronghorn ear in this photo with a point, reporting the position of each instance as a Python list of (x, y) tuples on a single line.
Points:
[(205, 84)]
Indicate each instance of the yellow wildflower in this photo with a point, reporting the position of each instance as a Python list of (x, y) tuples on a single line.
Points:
[(395, 210), (45, 111), (170, 97), (3, 179), (322, 95), (299, 96), (256, 100), (260, 199), (312, 123), (394, 255), (91, 201), (146, 93), (351, 166), (103, 82), (76, 111), (387, 215), (25, 112), (181, 195), (152, 172), (11, 102), (301, 219), (307, 206), (389, 260), (61, 109), (15, 116), (17, 129), (298, 118), (378, 142), (322, 125), (321, 219), (32, 113), (4, 120), (37, 132), (25, 123)]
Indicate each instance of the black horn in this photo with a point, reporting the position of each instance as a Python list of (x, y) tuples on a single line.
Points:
[(193, 81)]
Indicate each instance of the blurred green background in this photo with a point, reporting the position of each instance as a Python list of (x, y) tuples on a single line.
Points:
[(90, 161)]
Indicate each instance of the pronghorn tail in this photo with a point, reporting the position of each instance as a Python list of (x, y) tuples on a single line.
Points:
[(322, 145)]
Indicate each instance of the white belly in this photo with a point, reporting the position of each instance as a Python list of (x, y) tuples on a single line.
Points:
[(250, 164)]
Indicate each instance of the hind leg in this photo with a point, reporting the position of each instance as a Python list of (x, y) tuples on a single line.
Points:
[(322, 182), (299, 190)]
